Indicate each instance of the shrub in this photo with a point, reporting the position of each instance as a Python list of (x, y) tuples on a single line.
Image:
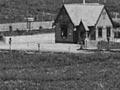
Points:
[(108, 45), (102, 45)]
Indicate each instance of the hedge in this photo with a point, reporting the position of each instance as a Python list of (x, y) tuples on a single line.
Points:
[(108, 45), (25, 32)]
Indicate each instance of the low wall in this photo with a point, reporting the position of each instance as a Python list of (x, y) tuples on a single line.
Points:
[(40, 38), (23, 26)]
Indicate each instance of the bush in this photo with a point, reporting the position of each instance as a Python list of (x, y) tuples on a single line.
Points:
[(108, 45), (102, 45)]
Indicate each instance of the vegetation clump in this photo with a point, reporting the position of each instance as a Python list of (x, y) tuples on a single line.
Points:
[(59, 71)]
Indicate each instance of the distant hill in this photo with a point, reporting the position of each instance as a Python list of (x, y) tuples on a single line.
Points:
[(17, 10)]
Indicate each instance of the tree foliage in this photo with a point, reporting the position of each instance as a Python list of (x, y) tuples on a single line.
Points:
[(17, 10)]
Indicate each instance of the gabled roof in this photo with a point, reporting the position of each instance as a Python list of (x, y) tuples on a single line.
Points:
[(89, 13), (85, 25)]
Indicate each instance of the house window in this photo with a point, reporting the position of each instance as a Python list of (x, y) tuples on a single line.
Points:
[(108, 31), (117, 35), (64, 29), (93, 35), (100, 32)]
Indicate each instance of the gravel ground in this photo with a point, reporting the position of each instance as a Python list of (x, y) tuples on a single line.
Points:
[(42, 42)]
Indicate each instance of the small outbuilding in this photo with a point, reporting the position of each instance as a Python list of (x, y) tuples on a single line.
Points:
[(76, 23)]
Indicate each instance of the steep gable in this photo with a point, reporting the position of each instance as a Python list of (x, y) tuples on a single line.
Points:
[(63, 16), (104, 19)]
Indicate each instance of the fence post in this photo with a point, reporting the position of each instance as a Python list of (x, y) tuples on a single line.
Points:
[(10, 42), (69, 48), (108, 39), (38, 47)]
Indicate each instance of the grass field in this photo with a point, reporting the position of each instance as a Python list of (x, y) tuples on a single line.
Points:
[(21, 70)]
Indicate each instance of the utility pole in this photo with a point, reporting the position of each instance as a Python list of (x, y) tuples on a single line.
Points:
[(43, 12), (28, 18), (10, 39), (10, 13)]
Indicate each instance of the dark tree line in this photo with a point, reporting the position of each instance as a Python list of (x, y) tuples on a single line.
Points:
[(17, 10)]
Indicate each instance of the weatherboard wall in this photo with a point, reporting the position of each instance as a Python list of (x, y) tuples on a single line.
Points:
[(104, 22)]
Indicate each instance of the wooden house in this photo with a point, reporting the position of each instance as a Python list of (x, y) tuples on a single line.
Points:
[(88, 22)]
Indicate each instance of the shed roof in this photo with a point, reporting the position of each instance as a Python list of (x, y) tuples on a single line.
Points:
[(89, 13)]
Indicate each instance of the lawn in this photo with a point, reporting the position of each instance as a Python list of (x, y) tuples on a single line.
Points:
[(21, 70)]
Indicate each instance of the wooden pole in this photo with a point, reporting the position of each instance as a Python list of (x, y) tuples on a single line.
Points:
[(38, 47), (10, 42)]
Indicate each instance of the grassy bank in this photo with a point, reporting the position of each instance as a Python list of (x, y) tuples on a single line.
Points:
[(59, 71), (25, 32)]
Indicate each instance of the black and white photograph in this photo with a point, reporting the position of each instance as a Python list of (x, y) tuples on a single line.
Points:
[(59, 44)]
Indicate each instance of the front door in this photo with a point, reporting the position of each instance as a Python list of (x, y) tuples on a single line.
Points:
[(82, 34), (79, 35), (75, 36)]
